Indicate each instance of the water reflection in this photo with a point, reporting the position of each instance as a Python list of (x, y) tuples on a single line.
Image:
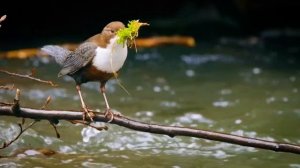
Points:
[(198, 59), (189, 118), (41, 95)]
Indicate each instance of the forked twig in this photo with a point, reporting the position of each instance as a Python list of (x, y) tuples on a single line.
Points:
[(28, 77), (6, 144), (52, 121)]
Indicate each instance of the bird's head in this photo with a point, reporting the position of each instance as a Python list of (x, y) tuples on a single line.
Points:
[(111, 29), (125, 35)]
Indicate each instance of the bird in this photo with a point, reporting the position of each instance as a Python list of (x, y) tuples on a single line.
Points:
[(99, 58)]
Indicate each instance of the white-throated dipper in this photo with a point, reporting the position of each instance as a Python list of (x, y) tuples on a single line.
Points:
[(98, 58)]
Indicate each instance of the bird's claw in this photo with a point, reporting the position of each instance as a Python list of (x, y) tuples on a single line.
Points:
[(89, 113), (111, 115)]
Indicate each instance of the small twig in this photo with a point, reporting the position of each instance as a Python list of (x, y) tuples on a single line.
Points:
[(55, 129), (99, 128), (46, 103), (51, 121), (8, 87), (33, 72), (28, 77), (23, 121), (16, 106), (6, 104), (6, 144), (17, 97)]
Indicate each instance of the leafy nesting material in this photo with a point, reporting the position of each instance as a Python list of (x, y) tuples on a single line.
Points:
[(130, 32)]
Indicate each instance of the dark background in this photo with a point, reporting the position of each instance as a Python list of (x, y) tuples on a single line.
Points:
[(30, 24)]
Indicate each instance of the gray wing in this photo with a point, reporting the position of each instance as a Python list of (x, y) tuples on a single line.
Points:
[(78, 59)]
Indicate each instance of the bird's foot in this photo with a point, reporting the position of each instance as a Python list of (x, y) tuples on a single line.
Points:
[(89, 113), (111, 115)]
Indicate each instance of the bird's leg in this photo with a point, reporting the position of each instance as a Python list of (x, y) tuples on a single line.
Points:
[(102, 89), (107, 110), (85, 109)]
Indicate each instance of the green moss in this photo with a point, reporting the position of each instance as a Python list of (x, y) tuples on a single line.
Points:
[(130, 32)]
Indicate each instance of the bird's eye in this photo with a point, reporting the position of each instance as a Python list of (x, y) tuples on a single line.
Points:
[(112, 31)]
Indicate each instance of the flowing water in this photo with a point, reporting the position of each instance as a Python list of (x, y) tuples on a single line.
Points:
[(248, 90)]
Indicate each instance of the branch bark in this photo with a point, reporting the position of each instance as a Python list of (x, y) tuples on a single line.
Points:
[(171, 131)]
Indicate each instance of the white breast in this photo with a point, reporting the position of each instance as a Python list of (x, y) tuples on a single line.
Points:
[(112, 58)]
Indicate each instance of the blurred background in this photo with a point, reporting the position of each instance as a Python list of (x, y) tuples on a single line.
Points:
[(241, 77), (205, 20)]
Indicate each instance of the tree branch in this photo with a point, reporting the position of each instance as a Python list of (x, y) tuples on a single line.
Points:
[(149, 42), (28, 77), (171, 131)]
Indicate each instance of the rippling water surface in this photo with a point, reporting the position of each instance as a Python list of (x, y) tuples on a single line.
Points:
[(248, 91)]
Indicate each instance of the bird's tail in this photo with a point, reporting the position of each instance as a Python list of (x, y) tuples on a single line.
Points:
[(57, 52)]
